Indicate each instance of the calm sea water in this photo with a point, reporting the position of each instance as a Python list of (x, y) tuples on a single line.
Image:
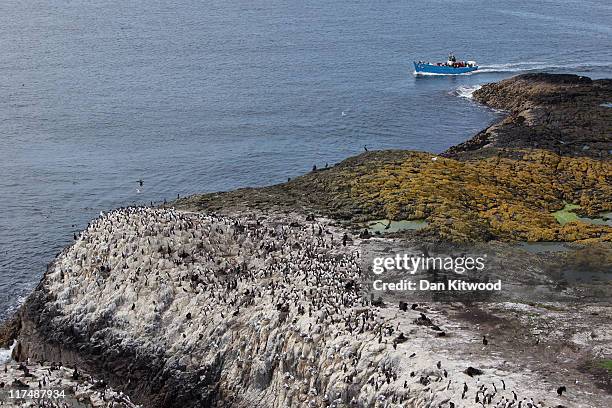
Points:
[(196, 96)]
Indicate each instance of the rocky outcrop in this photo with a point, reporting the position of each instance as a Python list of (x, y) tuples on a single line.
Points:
[(9, 330), (510, 196), (189, 310), (565, 114)]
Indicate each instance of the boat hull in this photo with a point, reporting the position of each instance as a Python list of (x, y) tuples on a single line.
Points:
[(424, 69)]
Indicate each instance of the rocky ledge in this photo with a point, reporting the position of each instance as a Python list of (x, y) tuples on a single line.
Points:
[(569, 115)]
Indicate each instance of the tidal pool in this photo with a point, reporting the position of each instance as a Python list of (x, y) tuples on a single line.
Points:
[(566, 214), (385, 226)]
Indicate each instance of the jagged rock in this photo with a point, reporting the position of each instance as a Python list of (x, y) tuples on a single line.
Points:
[(471, 371)]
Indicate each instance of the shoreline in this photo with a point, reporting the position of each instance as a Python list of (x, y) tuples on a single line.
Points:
[(209, 330)]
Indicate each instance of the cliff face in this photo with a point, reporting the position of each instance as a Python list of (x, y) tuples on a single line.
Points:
[(185, 310), (564, 114)]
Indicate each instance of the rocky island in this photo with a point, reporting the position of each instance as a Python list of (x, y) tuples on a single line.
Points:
[(263, 297)]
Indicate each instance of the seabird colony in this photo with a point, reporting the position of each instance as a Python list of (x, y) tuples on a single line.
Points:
[(282, 302)]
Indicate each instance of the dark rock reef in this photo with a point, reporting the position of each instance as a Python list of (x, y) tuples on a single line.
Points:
[(565, 114)]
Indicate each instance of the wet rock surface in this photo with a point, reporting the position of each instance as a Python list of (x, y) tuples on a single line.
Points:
[(564, 114)]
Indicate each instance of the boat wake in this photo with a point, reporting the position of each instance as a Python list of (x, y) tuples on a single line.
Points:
[(466, 92), (528, 66)]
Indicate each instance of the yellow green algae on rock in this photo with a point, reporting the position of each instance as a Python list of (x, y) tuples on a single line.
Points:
[(504, 198)]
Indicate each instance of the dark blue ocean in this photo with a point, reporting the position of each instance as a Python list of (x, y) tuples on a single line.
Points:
[(196, 96)]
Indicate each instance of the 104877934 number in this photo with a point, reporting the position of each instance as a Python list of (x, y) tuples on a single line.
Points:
[(36, 394)]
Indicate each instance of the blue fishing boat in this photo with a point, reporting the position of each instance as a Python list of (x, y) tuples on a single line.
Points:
[(450, 67)]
